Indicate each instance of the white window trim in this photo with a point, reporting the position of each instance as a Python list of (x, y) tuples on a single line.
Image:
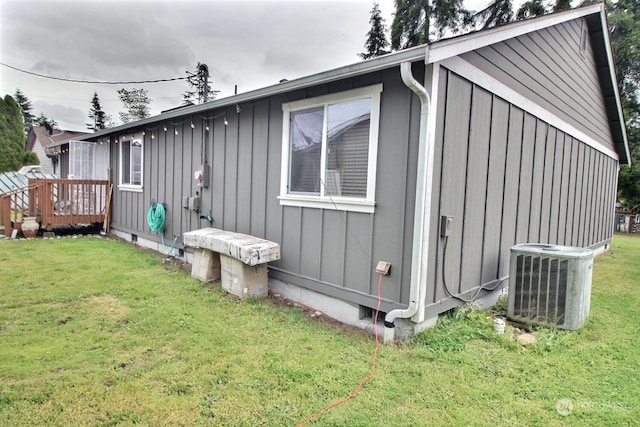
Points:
[(367, 204), (131, 187)]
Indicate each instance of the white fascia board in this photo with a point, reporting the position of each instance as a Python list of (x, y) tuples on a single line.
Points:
[(614, 80), (484, 80), (449, 48)]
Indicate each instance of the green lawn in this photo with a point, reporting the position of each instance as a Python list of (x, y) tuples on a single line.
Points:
[(97, 332)]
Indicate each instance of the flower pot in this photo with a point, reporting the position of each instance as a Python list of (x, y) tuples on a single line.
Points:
[(29, 227)]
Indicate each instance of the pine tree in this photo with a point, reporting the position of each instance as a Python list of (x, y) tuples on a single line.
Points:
[(561, 5), (96, 115), (410, 25), (450, 16), (531, 9), (496, 13), (25, 108), (43, 120), (377, 42), (136, 103), (416, 20), (624, 27), (11, 135), (199, 86)]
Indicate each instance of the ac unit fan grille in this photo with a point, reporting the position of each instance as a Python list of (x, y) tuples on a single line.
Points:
[(541, 289)]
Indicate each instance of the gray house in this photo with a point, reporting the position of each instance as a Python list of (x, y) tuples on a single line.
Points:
[(436, 159)]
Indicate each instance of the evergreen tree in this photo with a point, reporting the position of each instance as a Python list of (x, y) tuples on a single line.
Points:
[(498, 12), (414, 18), (530, 9), (624, 27), (96, 115), (410, 25), (561, 5), (377, 42), (450, 16), (43, 120), (11, 135), (199, 86), (136, 103), (25, 109)]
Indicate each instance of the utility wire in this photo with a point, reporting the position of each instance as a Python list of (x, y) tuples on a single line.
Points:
[(92, 82)]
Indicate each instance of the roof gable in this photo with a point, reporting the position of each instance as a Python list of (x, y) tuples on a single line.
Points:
[(40, 134), (595, 16)]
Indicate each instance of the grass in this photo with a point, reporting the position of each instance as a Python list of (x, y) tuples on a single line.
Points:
[(96, 332)]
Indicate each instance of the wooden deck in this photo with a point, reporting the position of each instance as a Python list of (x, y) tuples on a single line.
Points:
[(55, 202)]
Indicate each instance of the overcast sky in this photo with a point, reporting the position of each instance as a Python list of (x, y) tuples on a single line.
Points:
[(251, 44)]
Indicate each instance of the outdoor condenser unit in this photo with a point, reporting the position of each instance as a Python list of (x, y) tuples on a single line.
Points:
[(550, 285)]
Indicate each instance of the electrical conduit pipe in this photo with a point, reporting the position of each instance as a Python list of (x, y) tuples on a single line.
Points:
[(422, 211)]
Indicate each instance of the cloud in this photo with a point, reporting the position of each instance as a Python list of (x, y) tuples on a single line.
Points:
[(251, 44), (98, 40), (68, 118)]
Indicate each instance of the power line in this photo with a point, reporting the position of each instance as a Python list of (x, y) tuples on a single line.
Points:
[(92, 82)]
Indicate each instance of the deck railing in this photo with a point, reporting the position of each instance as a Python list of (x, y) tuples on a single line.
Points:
[(55, 202)]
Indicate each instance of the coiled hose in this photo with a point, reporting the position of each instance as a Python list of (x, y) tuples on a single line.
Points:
[(156, 219)]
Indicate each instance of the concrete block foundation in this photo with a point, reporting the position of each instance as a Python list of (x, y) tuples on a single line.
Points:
[(206, 265), (243, 280)]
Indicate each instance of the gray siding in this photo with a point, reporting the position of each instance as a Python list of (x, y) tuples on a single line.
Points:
[(507, 177), (333, 252), (549, 68)]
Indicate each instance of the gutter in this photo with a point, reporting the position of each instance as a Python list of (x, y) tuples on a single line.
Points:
[(363, 67), (422, 210)]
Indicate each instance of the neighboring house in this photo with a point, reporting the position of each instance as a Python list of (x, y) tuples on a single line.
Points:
[(515, 134), (40, 137), (627, 220)]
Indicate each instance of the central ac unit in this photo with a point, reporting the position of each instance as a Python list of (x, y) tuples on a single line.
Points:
[(550, 285)]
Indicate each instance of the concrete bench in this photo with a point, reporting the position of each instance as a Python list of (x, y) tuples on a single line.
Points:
[(238, 260)]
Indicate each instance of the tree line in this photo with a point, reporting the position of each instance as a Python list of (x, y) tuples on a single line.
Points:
[(416, 22)]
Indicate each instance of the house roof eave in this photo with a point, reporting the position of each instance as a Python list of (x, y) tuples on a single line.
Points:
[(429, 53), (596, 17), (616, 113), (375, 64), (454, 46)]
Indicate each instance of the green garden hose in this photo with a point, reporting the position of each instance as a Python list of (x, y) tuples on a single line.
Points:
[(156, 218)]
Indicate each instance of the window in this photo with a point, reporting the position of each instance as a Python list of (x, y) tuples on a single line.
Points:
[(329, 150), (81, 160), (131, 163)]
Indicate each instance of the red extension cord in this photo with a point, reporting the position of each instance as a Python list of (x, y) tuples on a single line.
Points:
[(372, 372)]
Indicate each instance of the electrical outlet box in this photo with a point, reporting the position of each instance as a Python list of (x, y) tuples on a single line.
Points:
[(383, 268), (446, 225), (185, 202), (194, 203)]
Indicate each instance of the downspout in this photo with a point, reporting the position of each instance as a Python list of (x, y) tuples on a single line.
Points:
[(421, 210)]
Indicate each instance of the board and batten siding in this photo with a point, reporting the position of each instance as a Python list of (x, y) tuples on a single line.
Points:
[(507, 177), (548, 67), (333, 252)]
